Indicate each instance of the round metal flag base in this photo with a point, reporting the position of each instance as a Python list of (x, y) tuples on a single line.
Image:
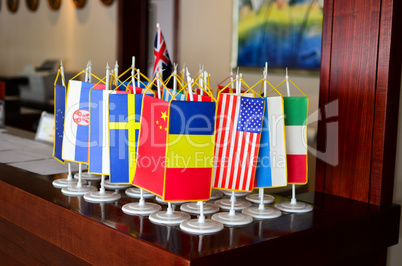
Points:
[(135, 208), (287, 206), (255, 198), (87, 176), (194, 207), (135, 192), (172, 218), (216, 194), (266, 213), (113, 186), (226, 204), (194, 226), (161, 201), (64, 182), (232, 219), (96, 196), (77, 191), (237, 193)]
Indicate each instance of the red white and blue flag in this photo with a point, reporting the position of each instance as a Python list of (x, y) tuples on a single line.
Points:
[(238, 133), (76, 124), (161, 56)]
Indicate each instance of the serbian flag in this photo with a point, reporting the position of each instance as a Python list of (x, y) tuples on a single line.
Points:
[(161, 57), (296, 109), (166, 96), (98, 130), (76, 125), (190, 151), (124, 125), (59, 109), (238, 132), (150, 168), (271, 167)]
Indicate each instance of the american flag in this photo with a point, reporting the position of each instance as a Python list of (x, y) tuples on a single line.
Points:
[(237, 139), (161, 56)]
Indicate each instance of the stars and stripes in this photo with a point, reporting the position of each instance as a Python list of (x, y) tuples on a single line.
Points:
[(238, 134)]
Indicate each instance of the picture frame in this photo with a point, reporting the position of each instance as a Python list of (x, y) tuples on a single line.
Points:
[(54, 4), (12, 5), (32, 4), (282, 33)]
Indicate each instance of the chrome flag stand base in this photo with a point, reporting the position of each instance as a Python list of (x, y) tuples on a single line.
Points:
[(65, 182), (264, 213), (113, 186), (225, 204), (232, 218), (195, 208), (88, 177), (98, 196), (216, 194), (77, 190), (169, 216), (201, 225), (138, 208), (297, 207), (102, 195), (194, 226), (255, 198), (135, 192), (293, 205)]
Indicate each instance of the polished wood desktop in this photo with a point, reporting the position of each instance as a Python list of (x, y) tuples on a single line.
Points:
[(40, 225)]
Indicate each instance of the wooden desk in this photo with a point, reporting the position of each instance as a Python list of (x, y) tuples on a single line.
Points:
[(38, 224)]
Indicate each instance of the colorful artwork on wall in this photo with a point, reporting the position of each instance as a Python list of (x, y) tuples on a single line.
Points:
[(284, 33)]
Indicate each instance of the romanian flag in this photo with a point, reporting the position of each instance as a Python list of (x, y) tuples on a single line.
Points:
[(76, 125), (296, 110), (238, 132), (190, 152), (124, 125), (150, 167), (175, 155), (59, 109), (271, 167)]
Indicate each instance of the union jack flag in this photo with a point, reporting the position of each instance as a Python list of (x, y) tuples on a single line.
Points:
[(161, 56)]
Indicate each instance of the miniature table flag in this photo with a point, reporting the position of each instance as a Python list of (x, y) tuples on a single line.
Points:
[(180, 145), (59, 110), (76, 126), (124, 125), (271, 168), (238, 135), (296, 109), (98, 130)]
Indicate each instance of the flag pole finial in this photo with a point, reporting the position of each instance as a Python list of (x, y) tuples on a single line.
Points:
[(157, 25)]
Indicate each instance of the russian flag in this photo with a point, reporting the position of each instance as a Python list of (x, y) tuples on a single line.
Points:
[(76, 125), (296, 109), (271, 167)]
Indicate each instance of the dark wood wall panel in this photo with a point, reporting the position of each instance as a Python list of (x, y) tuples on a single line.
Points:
[(359, 40), (387, 104), (352, 83), (132, 39)]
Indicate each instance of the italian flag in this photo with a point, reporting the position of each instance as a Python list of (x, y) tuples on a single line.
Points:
[(296, 138)]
